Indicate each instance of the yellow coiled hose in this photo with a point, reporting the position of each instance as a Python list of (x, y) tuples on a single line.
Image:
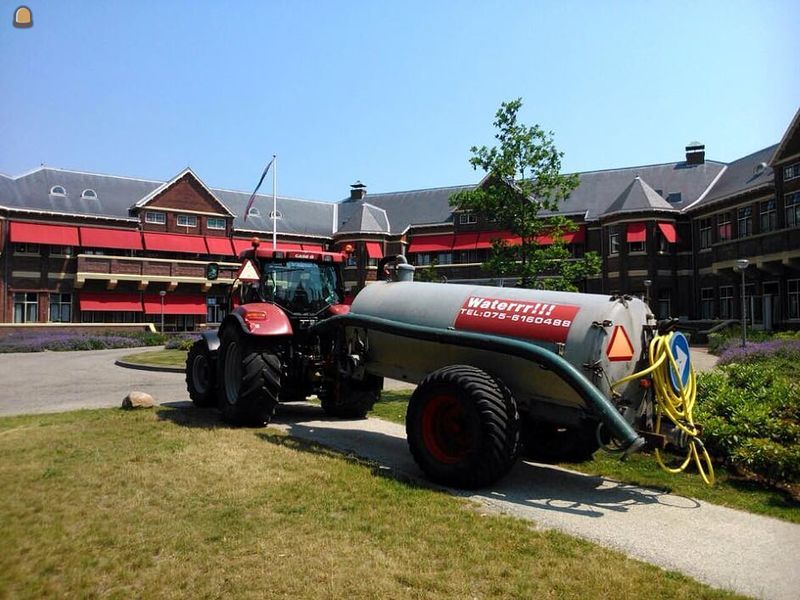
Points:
[(675, 407)]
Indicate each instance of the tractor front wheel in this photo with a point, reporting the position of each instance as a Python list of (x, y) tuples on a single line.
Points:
[(463, 427), (201, 375), (249, 380)]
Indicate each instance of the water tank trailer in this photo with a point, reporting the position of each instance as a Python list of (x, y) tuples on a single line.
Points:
[(503, 370)]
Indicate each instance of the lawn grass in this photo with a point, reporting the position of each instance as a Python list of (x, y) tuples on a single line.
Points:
[(170, 503), (642, 469), (158, 358)]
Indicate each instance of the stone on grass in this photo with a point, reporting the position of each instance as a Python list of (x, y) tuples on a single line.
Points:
[(138, 400)]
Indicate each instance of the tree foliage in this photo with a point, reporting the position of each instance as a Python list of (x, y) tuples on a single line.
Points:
[(521, 192)]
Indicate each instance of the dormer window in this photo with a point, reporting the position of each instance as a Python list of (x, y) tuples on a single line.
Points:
[(275, 215), (88, 195), (253, 212), (58, 190)]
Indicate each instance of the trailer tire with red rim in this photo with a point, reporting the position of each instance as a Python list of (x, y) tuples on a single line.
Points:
[(201, 375), (249, 380), (463, 427)]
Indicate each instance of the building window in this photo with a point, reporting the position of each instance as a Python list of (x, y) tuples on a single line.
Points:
[(445, 258), (26, 307), (422, 259), (467, 256), (215, 223), (275, 215), (792, 203), (467, 218), (705, 233), (755, 312), (613, 242), (707, 303), (793, 293), (634, 247), (94, 251), (88, 195), (724, 232), (60, 308), (187, 221), (58, 190), (664, 303), (253, 212), (726, 301), (791, 171), (157, 218), (768, 216), (62, 251), (26, 249), (744, 221), (216, 309), (94, 316)]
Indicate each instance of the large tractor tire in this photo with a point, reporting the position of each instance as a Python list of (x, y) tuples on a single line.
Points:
[(201, 375), (463, 427), (248, 380), (549, 443), (351, 399)]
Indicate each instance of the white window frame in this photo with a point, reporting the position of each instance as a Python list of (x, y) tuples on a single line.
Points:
[(63, 301), (467, 218), (613, 242), (155, 218), (24, 300), (276, 215), (88, 194), (189, 221), (253, 212), (211, 220), (58, 190), (791, 172)]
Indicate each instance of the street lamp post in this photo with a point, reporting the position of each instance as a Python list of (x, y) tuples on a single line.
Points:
[(162, 293), (741, 264)]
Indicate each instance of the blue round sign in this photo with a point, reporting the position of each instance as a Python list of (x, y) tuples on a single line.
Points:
[(679, 346)]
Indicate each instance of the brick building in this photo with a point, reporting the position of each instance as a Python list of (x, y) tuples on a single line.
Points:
[(82, 247)]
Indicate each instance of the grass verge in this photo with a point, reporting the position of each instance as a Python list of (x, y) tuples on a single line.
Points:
[(172, 504), (642, 469), (158, 358)]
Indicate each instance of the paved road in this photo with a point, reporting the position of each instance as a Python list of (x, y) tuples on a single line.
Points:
[(725, 548)]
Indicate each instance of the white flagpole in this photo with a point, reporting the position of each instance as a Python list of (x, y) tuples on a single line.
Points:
[(274, 202)]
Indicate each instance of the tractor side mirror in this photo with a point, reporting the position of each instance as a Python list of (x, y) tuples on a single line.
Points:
[(212, 271)]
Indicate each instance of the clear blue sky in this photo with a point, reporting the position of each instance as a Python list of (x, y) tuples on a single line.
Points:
[(392, 93)]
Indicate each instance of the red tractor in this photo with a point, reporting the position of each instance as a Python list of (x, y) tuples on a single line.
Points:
[(264, 353)]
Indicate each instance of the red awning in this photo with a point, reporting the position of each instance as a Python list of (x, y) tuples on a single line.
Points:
[(465, 241), (485, 238), (110, 301), (175, 242), (431, 243), (313, 248), (668, 230), (122, 239), (39, 233), (637, 232), (374, 250), (175, 304), (544, 239), (219, 245), (576, 237)]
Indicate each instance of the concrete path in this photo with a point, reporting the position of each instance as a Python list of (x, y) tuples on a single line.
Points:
[(725, 548)]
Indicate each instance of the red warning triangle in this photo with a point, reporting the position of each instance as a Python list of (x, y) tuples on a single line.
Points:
[(620, 347), (248, 272)]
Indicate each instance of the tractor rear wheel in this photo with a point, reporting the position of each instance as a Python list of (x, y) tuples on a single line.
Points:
[(201, 376), (249, 380), (463, 427), (351, 399)]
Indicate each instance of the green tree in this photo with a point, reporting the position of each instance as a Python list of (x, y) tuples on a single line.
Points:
[(521, 192)]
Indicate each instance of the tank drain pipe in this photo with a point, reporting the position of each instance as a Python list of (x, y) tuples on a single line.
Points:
[(622, 431)]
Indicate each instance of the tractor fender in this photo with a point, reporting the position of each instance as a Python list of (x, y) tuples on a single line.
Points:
[(261, 319), (211, 338)]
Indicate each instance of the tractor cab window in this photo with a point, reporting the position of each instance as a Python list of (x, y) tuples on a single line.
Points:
[(300, 287)]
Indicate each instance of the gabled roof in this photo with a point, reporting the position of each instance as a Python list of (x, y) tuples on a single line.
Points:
[(187, 172), (746, 174), (362, 217), (299, 217), (638, 196), (790, 143)]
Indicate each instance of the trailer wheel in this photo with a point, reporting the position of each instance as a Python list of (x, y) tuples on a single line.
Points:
[(549, 443), (201, 376), (463, 427), (249, 380), (351, 399)]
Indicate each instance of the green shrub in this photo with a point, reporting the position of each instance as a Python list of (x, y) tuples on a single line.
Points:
[(751, 419), (721, 341)]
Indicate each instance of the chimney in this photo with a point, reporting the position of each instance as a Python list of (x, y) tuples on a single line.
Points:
[(695, 154), (357, 191)]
